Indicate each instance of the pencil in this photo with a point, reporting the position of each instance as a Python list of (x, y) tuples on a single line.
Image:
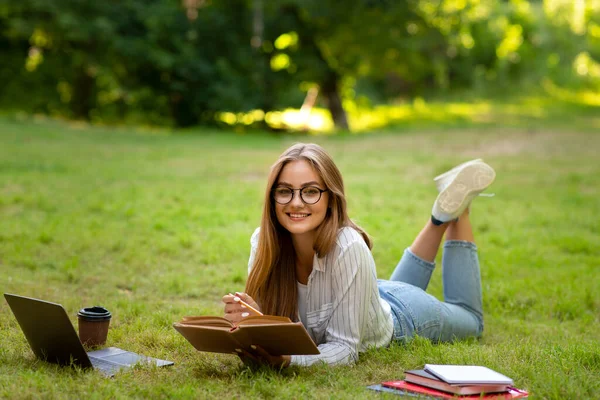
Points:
[(242, 302)]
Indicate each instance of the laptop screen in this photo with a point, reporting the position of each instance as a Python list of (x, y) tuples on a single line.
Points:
[(48, 330)]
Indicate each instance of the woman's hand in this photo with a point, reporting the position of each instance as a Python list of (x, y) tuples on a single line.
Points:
[(234, 310), (256, 355)]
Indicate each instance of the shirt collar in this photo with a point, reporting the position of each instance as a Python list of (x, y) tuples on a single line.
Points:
[(318, 263)]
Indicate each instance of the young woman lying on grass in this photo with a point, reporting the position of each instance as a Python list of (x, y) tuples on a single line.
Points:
[(311, 263)]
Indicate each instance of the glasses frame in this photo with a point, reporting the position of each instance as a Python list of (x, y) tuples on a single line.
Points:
[(321, 191)]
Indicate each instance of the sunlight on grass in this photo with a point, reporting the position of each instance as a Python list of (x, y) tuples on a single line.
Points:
[(523, 110), (317, 121), (583, 97)]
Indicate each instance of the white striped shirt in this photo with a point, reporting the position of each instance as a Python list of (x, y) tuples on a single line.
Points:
[(345, 315)]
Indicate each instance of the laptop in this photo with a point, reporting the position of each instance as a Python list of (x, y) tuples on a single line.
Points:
[(52, 338)]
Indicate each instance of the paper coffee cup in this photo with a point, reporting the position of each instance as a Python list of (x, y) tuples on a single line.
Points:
[(93, 325)]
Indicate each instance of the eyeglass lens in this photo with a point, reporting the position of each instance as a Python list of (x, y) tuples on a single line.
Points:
[(309, 194)]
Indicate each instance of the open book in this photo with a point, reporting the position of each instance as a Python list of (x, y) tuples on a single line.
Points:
[(277, 335)]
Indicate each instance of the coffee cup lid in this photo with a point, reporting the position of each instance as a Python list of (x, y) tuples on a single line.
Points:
[(94, 313)]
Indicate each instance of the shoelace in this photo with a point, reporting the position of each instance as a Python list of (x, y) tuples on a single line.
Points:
[(487, 194)]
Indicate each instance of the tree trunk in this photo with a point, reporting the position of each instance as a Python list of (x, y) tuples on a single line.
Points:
[(330, 89), (329, 82), (83, 93), (259, 75), (181, 111)]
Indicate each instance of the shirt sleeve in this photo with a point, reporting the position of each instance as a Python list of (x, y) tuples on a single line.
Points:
[(253, 247), (352, 285)]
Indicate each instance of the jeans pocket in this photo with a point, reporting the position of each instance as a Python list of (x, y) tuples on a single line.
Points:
[(423, 309)]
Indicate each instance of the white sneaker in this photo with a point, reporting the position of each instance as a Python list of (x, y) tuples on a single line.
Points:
[(459, 187), (443, 180)]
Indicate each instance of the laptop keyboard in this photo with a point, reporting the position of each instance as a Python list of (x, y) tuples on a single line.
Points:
[(105, 366)]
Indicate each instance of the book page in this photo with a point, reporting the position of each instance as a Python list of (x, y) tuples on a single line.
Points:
[(207, 321), (264, 320)]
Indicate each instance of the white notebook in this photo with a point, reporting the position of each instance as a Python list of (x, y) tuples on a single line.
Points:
[(467, 375)]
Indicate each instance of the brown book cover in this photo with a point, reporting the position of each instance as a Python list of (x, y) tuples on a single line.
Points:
[(277, 335)]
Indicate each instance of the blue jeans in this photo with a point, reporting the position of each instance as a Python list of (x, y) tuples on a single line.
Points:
[(415, 312)]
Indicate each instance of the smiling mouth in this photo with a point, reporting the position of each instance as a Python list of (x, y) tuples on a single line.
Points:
[(296, 215)]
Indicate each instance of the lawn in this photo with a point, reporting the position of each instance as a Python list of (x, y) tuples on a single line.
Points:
[(155, 225)]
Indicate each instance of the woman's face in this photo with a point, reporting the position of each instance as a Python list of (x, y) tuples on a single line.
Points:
[(296, 216)]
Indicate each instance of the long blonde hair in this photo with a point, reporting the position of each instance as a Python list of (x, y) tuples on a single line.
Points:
[(272, 280)]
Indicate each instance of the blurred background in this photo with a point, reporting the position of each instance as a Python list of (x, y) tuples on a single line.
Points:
[(317, 65)]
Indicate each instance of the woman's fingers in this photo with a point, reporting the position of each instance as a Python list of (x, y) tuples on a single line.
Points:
[(252, 305), (262, 353), (235, 310), (236, 317), (229, 298), (234, 307), (248, 358), (247, 299)]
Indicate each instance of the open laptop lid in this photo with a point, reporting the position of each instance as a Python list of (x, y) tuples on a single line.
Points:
[(48, 330)]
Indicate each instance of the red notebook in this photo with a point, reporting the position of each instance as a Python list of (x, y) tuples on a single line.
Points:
[(512, 392)]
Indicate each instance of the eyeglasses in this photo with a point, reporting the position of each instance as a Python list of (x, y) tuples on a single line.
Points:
[(309, 194)]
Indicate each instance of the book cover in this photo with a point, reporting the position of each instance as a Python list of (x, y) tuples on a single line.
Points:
[(412, 389), (467, 375), (277, 335)]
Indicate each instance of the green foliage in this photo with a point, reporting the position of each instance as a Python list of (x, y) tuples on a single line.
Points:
[(159, 62)]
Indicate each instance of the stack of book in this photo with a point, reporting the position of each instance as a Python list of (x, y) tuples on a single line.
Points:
[(449, 381)]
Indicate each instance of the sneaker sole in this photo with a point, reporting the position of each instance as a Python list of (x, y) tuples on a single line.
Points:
[(469, 182), (440, 178)]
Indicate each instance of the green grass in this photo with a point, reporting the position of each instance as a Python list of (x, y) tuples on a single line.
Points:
[(155, 225)]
